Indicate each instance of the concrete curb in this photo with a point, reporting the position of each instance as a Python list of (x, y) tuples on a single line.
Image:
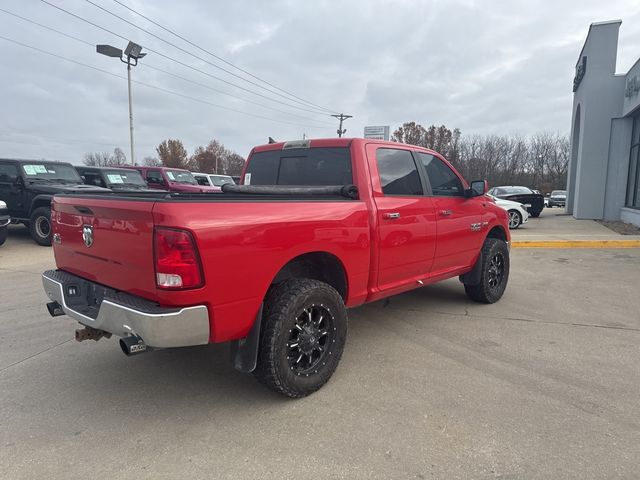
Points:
[(576, 244)]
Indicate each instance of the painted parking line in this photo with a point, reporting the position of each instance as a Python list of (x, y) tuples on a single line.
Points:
[(576, 244)]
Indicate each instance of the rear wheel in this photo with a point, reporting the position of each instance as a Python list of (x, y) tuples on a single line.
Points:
[(40, 226), (494, 272), (515, 219), (303, 336), (4, 233), (536, 213)]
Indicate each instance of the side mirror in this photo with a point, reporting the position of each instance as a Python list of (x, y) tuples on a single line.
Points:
[(478, 188)]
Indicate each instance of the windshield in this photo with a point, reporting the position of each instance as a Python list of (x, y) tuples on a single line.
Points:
[(124, 177), (559, 193), (514, 190), (180, 176), (51, 171), (219, 180)]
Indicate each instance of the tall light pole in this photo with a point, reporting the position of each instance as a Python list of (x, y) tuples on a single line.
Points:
[(130, 56)]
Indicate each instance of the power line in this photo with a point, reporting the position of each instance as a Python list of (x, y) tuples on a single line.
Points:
[(155, 87), (198, 57), (180, 62), (147, 65), (216, 56)]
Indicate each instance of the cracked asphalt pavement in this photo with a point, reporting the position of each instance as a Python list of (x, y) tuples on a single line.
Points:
[(544, 384)]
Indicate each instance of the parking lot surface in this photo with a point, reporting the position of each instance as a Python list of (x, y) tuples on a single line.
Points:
[(543, 384)]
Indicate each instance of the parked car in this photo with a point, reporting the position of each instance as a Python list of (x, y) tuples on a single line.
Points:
[(558, 198), (533, 201), (5, 220), (171, 179), (213, 180), (113, 178), (517, 212), (323, 225), (27, 187)]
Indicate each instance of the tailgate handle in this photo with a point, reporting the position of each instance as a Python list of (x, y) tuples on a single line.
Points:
[(391, 216), (84, 210)]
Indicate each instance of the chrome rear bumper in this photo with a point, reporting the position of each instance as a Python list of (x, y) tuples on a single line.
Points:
[(124, 315)]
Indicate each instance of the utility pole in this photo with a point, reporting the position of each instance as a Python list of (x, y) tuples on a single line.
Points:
[(342, 117)]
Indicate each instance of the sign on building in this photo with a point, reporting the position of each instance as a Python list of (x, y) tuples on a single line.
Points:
[(377, 132)]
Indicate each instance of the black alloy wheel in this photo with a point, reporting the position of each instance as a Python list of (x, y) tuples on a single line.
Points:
[(311, 339), (304, 330), (494, 273)]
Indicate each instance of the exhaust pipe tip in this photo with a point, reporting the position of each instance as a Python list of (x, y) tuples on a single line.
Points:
[(54, 308), (132, 345)]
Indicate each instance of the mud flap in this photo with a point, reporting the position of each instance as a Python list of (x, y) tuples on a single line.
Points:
[(244, 352), (473, 276)]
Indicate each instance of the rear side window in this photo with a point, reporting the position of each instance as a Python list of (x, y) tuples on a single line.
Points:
[(444, 183), (398, 172), (300, 166)]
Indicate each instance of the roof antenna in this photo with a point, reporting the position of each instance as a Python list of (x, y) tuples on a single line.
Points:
[(271, 140)]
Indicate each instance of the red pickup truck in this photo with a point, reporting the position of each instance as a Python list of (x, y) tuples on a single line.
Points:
[(271, 265)]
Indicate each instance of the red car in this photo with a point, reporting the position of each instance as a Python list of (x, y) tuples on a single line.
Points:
[(272, 265), (171, 179)]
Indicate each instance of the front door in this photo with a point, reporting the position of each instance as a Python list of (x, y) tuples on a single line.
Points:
[(406, 218), (12, 190), (460, 228)]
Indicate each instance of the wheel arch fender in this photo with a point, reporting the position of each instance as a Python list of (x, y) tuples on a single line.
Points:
[(317, 265), (474, 276), (42, 200)]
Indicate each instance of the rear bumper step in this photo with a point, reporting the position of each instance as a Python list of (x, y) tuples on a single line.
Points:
[(124, 315)]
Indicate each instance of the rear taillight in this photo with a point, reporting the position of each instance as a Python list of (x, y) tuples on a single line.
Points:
[(177, 261)]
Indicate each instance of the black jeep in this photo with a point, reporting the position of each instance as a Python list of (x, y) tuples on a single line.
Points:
[(27, 186)]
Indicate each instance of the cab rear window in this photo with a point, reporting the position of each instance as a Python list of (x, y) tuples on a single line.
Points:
[(300, 166)]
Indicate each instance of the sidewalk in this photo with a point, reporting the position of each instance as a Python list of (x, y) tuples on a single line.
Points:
[(554, 229)]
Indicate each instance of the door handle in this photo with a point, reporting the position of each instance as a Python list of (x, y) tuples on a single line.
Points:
[(391, 216), (445, 213)]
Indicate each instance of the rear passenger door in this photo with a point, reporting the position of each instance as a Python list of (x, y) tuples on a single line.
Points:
[(405, 218), (459, 219)]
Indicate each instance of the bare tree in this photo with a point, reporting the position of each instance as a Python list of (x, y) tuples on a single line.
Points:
[(104, 159), (151, 162)]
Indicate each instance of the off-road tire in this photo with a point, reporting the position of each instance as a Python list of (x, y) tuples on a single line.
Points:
[(40, 226), (285, 306), (514, 214), (4, 233), (488, 291), (536, 213)]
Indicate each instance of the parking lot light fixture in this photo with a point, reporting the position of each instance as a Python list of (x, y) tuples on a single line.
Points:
[(132, 53)]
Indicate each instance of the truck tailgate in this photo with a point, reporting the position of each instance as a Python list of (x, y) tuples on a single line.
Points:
[(120, 252)]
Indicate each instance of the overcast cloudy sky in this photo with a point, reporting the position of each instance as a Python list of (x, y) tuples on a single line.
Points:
[(490, 66)]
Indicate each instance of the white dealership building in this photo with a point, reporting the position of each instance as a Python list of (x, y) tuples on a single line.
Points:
[(604, 170)]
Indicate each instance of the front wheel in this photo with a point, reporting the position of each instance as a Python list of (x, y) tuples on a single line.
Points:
[(515, 219), (536, 213), (303, 335), (4, 233), (494, 272), (40, 226)]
